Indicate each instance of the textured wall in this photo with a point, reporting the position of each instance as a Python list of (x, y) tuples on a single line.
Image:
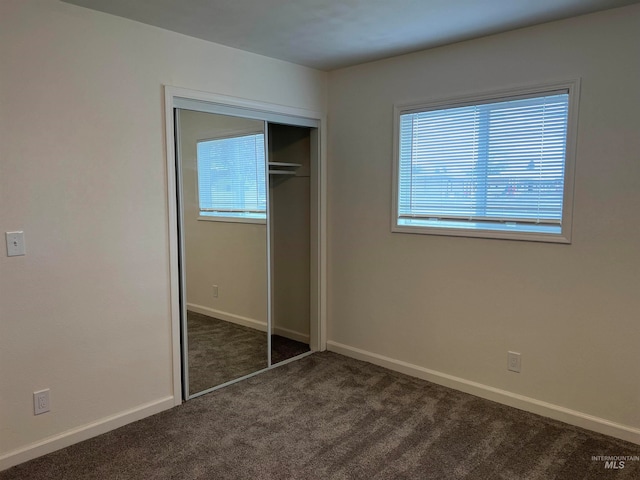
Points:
[(457, 305), (83, 172)]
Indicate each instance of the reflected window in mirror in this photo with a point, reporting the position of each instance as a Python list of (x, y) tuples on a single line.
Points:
[(231, 178)]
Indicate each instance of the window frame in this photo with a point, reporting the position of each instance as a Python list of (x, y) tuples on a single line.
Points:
[(229, 219), (571, 87)]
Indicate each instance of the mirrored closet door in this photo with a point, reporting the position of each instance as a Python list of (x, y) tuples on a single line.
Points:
[(224, 234), (247, 223)]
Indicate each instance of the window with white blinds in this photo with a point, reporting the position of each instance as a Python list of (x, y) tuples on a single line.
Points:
[(231, 178), (496, 166)]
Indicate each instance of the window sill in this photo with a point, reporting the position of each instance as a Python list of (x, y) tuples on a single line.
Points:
[(255, 221), (478, 233)]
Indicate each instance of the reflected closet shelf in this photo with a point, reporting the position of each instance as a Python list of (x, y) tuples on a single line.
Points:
[(284, 164), (283, 168)]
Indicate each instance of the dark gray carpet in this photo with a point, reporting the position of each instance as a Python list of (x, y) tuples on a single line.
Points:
[(283, 348), (330, 417), (221, 351)]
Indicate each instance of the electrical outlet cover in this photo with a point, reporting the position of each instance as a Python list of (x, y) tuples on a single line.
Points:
[(514, 362), (41, 402)]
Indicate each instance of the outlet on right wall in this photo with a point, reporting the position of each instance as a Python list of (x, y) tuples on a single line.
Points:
[(449, 308)]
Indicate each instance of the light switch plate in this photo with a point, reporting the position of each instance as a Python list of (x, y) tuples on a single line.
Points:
[(15, 244)]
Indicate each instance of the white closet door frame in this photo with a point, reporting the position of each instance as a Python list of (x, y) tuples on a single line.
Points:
[(176, 97)]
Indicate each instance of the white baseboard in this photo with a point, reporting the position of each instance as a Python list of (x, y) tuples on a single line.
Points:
[(292, 334), (228, 317), (83, 432), (572, 417)]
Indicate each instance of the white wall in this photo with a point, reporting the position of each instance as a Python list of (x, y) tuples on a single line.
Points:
[(231, 255), (451, 308), (86, 313)]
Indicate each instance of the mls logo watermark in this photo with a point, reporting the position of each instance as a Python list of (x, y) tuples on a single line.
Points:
[(615, 462)]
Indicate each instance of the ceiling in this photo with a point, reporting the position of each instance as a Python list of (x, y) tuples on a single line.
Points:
[(330, 34)]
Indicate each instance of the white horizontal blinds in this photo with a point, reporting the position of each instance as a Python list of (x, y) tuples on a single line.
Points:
[(231, 176), (438, 155), (493, 162)]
